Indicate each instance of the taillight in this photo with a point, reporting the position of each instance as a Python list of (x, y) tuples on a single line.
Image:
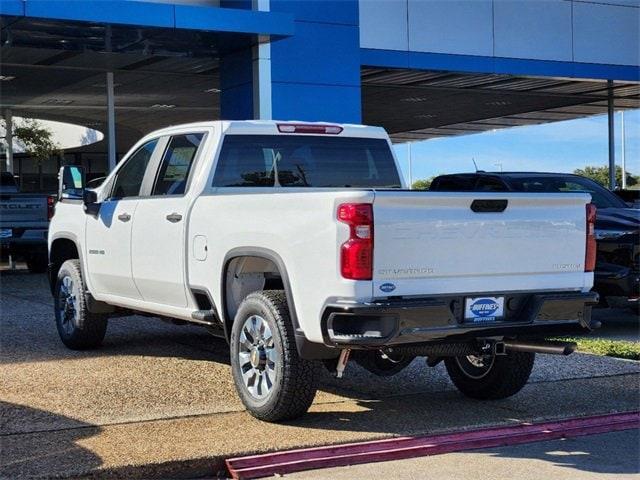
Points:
[(590, 251), (309, 128), (51, 203), (356, 254)]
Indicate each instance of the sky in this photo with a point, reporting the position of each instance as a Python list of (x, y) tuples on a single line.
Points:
[(552, 147)]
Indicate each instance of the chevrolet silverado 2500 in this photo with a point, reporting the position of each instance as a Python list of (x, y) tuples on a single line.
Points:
[(299, 243)]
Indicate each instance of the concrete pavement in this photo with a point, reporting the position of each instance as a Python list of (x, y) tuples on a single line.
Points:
[(618, 324), (158, 399), (598, 457)]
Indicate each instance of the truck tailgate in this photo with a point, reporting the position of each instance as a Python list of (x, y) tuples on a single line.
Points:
[(23, 210), (433, 243)]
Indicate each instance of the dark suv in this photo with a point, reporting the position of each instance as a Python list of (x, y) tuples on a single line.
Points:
[(617, 275)]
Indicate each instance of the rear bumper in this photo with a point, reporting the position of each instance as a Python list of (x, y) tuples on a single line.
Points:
[(420, 320)]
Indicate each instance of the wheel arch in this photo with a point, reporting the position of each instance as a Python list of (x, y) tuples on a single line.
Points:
[(306, 349), (63, 247), (262, 253)]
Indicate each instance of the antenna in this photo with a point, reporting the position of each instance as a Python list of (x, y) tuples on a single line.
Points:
[(474, 164)]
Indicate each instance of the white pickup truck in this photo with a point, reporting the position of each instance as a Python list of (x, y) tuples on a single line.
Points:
[(299, 243)]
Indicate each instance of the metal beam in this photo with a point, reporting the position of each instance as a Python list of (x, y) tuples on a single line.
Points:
[(111, 122), (262, 70), (623, 152), (161, 15), (612, 143), (8, 136)]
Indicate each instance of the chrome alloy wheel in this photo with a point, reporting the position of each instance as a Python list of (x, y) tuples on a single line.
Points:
[(257, 357), (68, 305), (476, 366)]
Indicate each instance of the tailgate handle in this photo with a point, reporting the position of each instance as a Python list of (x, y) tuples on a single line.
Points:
[(489, 206)]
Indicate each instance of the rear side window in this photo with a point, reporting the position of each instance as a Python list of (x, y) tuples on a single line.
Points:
[(129, 178), (176, 164), (305, 161), (600, 196)]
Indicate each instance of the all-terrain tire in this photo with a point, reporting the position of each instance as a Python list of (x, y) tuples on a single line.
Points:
[(506, 375), (295, 384), (78, 328)]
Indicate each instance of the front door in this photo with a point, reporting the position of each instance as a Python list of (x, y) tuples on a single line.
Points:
[(108, 248), (159, 229), (108, 235)]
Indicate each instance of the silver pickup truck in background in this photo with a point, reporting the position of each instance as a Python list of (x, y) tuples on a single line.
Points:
[(24, 222)]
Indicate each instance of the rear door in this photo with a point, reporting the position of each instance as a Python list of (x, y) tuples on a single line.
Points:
[(158, 240), (108, 235), (433, 243)]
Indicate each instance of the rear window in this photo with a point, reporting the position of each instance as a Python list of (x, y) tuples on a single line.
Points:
[(305, 161), (453, 184)]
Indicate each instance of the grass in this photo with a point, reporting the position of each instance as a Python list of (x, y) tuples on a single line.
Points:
[(609, 348)]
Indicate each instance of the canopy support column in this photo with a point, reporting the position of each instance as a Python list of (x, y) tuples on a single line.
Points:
[(612, 143)]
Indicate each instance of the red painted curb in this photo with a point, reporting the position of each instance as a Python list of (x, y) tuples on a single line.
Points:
[(257, 466)]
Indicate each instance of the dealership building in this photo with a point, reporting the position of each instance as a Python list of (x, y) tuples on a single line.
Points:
[(420, 68)]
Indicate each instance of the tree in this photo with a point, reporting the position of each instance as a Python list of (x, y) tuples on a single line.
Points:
[(601, 175), (35, 139), (423, 184)]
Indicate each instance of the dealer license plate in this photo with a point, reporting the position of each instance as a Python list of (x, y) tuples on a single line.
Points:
[(483, 309)]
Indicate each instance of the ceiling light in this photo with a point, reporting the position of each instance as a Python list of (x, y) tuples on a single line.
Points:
[(6, 78), (162, 105), (498, 103), (212, 90), (426, 115), (104, 85), (414, 99), (57, 101)]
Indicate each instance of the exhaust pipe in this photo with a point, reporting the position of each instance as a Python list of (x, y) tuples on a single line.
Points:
[(554, 348)]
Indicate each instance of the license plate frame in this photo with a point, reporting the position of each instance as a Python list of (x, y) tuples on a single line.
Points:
[(6, 233), (479, 310)]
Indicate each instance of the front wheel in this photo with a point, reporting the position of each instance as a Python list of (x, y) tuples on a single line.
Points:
[(79, 329), (273, 382), (490, 377)]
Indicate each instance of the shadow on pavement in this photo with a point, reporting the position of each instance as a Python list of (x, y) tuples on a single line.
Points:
[(39, 458), (611, 453)]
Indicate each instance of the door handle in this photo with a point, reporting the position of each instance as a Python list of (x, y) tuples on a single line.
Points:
[(124, 217), (174, 217)]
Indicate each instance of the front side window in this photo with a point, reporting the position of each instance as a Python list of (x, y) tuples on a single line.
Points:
[(305, 161), (176, 164), (129, 178)]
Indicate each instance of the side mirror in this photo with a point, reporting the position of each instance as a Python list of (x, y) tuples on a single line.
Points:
[(89, 197), (71, 183)]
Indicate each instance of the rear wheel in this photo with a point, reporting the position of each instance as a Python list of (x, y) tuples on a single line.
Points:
[(78, 328), (490, 377), (273, 382)]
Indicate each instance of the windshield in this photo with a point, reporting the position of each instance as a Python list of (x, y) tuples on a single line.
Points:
[(600, 196), (305, 161)]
